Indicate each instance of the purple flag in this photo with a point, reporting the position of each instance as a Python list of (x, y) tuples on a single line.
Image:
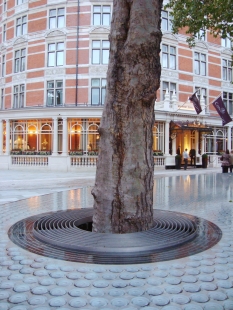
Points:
[(196, 103), (222, 111)]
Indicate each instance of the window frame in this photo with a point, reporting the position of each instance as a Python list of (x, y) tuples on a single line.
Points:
[(3, 69), (18, 96), (101, 88), (170, 88), (228, 102), (169, 56), (227, 70), (4, 5), (166, 20), (200, 62), (202, 91), (100, 49), (20, 60), (4, 33), (56, 17), (21, 26), (101, 15), (2, 97), (54, 91), (55, 52)]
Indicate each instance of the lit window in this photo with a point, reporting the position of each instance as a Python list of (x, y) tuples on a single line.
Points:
[(98, 91), (100, 52), (19, 94), (101, 15), (56, 18), (21, 26), (200, 64), (56, 54), (227, 70), (168, 57), (20, 60), (54, 93)]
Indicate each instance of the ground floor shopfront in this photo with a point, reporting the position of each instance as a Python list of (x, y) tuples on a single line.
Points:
[(68, 138)]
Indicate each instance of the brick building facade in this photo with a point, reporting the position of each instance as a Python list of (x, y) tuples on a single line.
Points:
[(54, 58)]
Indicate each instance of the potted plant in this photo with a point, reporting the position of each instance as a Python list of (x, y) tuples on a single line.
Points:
[(178, 161), (16, 152), (76, 153), (204, 160)]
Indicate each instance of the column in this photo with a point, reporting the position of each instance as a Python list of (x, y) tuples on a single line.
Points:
[(174, 146), (167, 135), (55, 135), (7, 137), (64, 137), (1, 137), (202, 144), (196, 141), (229, 138)]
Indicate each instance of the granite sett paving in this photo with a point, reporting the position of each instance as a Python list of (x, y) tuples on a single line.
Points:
[(202, 281)]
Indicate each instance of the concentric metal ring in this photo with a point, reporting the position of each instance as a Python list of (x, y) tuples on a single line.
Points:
[(58, 235)]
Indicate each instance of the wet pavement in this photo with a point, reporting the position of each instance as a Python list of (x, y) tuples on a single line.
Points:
[(32, 281)]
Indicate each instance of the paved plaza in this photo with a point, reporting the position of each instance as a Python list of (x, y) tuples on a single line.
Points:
[(202, 281)]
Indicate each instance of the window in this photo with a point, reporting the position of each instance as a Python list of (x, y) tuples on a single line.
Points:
[(4, 5), (54, 93), (4, 33), (20, 1), (166, 24), (200, 63), (21, 26), (227, 70), (20, 60), (228, 102), (98, 90), (2, 99), (19, 92), (56, 18), (170, 87), (226, 42), (100, 52), (168, 57), (101, 15), (202, 92), (201, 35), (3, 65), (56, 54)]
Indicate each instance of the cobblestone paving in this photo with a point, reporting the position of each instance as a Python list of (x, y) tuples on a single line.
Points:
[(203, 281)]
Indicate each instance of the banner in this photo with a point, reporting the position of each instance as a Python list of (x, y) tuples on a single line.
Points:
[(222, 111), (196, 103)]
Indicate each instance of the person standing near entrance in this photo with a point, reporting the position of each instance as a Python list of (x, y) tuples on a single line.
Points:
[(231, 161), (185, 156), (225, 161)]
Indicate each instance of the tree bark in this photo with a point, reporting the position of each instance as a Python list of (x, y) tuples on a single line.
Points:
[(123, 191)]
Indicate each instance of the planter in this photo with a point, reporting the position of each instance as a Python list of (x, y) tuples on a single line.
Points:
[(16, 152), (76, 153), (29, 153), (92, 153), (43, 153)]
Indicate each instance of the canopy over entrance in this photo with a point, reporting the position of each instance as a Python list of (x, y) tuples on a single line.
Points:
[(186, 125)]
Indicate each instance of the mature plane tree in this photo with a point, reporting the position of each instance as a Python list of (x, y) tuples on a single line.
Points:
[(123, 191), (212, 15)]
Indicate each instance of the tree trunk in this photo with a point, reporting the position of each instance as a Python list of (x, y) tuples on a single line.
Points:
[(123, 191)]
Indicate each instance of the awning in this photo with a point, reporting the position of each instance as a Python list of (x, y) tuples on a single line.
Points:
[(193, 126)]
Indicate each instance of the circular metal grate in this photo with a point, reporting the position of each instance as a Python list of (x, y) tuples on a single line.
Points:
[(59, 235)]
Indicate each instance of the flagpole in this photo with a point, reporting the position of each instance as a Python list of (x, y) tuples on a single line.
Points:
[(187, 100)]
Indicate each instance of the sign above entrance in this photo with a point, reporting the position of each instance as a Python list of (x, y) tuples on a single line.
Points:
[(179, 125)]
